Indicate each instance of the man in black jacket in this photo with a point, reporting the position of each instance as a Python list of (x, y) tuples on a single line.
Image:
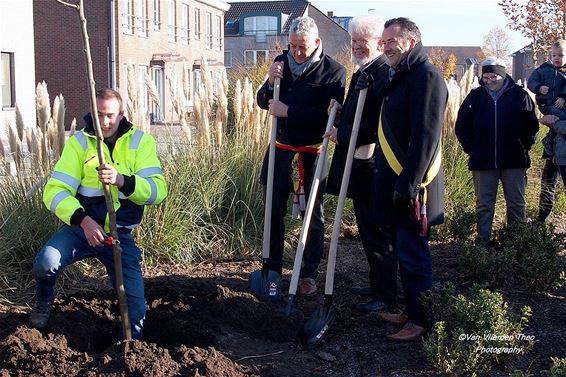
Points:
[(367, 53), (309, 80), (409, 191)]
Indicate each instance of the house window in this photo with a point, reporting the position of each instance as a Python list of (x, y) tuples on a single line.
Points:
[(143, 102), (197, 80), (158, 80), (127, 17), (228, 59), (253, 58), (260, 26), (171, 22), (7, 80), (185, 24), (197, 23), (156, 15), (142, 18), (218, 32), (208, 35)]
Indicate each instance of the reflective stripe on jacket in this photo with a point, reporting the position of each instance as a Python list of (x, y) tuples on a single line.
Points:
[(74, 183)]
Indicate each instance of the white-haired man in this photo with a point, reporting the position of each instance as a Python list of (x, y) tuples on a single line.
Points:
[(367, 54), (309, 80)]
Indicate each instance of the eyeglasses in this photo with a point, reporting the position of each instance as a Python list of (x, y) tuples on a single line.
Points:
[(490, 78)]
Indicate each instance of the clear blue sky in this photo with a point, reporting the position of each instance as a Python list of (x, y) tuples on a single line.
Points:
[(442, 22)]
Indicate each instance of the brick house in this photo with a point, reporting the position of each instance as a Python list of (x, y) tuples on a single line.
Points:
[(17, 79), (465, 57), (256, 31), (155, 36)]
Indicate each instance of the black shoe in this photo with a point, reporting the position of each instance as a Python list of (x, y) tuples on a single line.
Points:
[(372, 306), (362, 291)]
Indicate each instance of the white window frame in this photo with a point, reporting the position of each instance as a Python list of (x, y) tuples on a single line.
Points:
[(171, 21), (197, 23), (158, 77), (254, 54), (218, 32), (197, 79), (228, 62), (127, 17), (7, 80), (185, 32), (156, 14), (260, 35), (208, 30), (142, 18)]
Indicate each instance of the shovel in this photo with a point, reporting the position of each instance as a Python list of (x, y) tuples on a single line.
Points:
[(266, 283), (318, 324), (308, 215)]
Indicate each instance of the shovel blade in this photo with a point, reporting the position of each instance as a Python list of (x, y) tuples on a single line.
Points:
[(266, 286), (317, 326)]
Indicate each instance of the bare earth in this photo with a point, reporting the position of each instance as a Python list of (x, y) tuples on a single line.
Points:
[(202, 321)]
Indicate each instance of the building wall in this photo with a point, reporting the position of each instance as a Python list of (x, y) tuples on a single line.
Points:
[(16, 29), (335, 40), (59, 56), (154, 49)]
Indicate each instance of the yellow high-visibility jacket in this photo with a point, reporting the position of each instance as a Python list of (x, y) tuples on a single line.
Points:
[(74, 190)]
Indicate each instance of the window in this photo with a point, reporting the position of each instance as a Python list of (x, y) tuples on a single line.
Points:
[(142, 18), (197, 80), (197, 23), (127, 17), (158, 80), (253, 58), (218, 32), (260, 26), (156, 15), (208, 35), (185, 25), (228, 59), (171, 24), (7, 80)]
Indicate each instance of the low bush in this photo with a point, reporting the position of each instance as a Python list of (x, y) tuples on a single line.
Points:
[(474, 332)]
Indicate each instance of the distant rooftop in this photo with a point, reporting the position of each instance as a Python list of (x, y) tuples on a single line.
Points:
[(293, 8)]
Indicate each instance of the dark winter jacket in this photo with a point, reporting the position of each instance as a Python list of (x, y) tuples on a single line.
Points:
[(549, 75), (362, 171), (413, 108), (308, 97), (497, 134)]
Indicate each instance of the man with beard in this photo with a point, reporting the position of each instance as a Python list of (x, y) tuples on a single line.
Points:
[(367, 54)]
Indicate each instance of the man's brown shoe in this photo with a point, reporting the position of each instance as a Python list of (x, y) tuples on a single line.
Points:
[(399, 318), (409, 333)]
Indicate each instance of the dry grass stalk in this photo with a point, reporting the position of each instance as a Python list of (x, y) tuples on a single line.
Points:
[(20, 126), (152, 90), (73, 127), (15, 145), (205, 115), (206, 79), (132, 87), (187, 130), (60, 124), (237, 105), (467, 82), (186, 80), (51, 135), (452, 106), (224, 81), (42, 105)]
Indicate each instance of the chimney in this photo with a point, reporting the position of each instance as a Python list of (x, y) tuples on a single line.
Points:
[(330, 14)]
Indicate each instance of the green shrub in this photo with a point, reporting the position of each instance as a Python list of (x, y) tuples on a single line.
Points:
[(474, 331), (487, 265), (536, 249), (461, 225)]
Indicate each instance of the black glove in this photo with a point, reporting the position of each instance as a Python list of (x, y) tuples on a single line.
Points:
[(402, 201), (364, 81)]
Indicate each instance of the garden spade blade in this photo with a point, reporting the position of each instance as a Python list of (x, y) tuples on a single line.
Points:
[(319, 323), (266, 283)]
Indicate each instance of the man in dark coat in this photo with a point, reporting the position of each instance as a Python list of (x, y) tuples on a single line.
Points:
[(309, 80), (409, 193), (367, 53)]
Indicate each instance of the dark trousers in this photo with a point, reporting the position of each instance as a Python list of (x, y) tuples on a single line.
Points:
[(548, 183), (380, 253), (314, 246), (415, 266)]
